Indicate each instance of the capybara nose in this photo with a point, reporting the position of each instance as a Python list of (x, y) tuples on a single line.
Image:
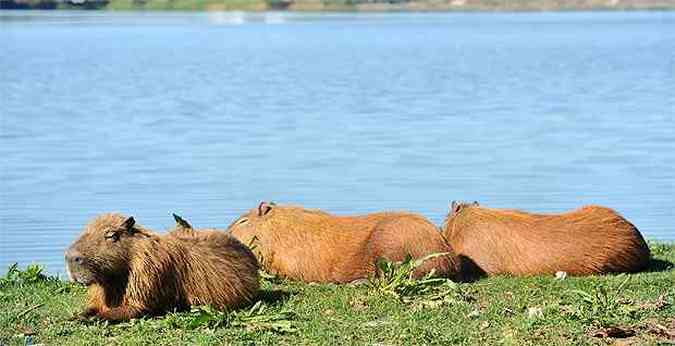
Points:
[(74, 256)]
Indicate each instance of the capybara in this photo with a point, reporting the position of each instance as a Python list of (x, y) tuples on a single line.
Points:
[(314, 246), (589, 240), (131, 271)]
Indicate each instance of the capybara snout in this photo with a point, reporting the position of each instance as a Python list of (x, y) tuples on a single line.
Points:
[(75, 266), (100, 250)]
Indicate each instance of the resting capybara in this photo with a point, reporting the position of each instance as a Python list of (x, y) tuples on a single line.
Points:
[(589, 240), (131, 271), (314, 246)]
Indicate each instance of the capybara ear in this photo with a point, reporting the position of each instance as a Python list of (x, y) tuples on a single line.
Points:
[(128, 224), (180, 222), (265, 207), (455, 207), (475, 204), (114, 235)]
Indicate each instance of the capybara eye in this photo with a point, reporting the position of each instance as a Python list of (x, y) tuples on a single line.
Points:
[(242, 221), (114, 236)]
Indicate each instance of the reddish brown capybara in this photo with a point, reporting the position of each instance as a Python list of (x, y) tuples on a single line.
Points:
[(131, 271), (589, 240), (314, 246)]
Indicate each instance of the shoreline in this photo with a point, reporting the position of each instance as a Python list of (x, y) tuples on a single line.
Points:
[(349, 6)]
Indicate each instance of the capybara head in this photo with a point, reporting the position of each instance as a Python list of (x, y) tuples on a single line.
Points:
[(455, 208), (102, 250), (246, 226)]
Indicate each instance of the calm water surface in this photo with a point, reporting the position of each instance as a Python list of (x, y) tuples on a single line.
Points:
[(205, 115)]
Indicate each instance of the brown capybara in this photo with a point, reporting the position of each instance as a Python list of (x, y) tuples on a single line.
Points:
[(589, 240), (314, 246), (131, 271)]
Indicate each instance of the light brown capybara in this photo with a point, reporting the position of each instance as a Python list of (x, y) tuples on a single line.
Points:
[(131, 271), (314, 246), (589, 240)]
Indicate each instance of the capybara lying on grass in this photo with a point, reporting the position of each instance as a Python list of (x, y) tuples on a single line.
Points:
[(132, 271), (314, 246), (589, 240)]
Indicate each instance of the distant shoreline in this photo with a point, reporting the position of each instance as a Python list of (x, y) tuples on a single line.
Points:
[(347, 5)]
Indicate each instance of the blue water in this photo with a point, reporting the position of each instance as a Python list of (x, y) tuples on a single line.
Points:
[(205, 115)]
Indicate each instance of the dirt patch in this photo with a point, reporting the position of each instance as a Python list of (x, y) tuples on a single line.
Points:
[(659, 304), (665, 331), (626, 335), (613, 332)]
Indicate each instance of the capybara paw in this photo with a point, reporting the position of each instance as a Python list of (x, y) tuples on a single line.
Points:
[(85, 315), (118, 314), (107, 316), (80, 318)]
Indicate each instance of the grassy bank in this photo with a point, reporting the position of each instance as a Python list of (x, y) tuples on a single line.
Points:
[(539, 310)]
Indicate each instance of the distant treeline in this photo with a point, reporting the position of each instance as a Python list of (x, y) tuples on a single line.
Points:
[(345, 5), (52, 4)]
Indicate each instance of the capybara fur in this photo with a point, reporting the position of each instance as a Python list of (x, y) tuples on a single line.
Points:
[(314, 246), (585, 241), (131, 271)]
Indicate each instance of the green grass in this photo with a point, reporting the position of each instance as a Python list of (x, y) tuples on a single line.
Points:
[(390, 310)]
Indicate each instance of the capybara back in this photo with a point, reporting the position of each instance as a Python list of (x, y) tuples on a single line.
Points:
[(589, 240), (314, 246)]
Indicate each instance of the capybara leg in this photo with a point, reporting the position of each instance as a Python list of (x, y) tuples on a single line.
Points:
[(86, 314), (441, 266), (89, 312), (121, 313)]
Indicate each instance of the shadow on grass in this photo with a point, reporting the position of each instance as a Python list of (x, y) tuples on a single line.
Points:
[(469, 271), (273, 297), (658, 265)]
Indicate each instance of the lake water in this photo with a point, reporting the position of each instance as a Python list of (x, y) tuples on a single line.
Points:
[(205, 115)]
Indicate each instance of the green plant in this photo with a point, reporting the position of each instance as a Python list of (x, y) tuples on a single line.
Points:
[(261, 317), (396, 278), (258, 318), (15, 276), (602, 304), (658, 249)]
